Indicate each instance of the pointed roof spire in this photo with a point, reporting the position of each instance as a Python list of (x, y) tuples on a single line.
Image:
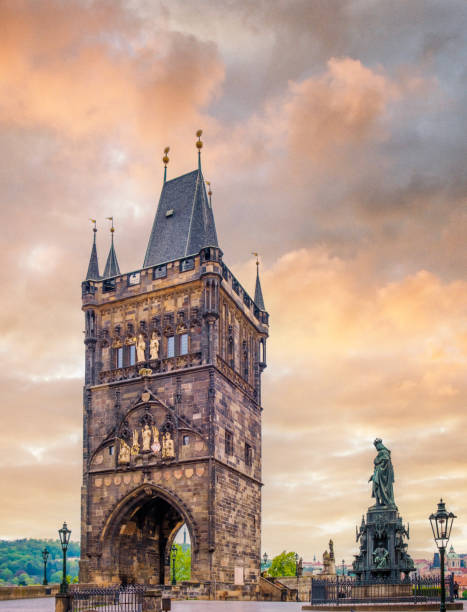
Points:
[(258, 292), (199, 146), (166, 160), (93, 268), (111, 267), (184, 221)]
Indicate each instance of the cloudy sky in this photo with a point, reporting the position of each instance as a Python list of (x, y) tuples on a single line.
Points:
[(335, 141)]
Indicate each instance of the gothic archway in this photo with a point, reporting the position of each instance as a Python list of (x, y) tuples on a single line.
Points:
[(139, 533)]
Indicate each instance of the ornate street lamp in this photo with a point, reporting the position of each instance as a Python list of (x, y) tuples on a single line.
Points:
[(343, 567), (441, 525), (265, 559), (64, 534), (174, 551), (45, 556)]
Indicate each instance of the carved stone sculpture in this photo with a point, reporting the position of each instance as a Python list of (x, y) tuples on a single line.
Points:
[(154, 346), (135, 445), (140, 349), (380, 557), (383, 476), (146, 436), (155, 447), (124, 452), (168, 448)]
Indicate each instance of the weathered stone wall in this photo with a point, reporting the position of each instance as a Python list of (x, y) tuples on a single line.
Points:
[(197, 398), (28, 592)]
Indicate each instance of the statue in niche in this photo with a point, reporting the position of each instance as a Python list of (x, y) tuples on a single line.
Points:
[(380, 557), (168, 448), (383, 476), (155, 447), (140, 349), (146, 436), (154, 346), (135, 445), (124, 452)]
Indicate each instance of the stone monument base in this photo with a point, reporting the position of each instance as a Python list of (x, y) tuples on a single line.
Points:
[(392, 607), (374, 592)]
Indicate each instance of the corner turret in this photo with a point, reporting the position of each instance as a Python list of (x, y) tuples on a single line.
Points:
[(111, 267), (93, 268), (259, 301)]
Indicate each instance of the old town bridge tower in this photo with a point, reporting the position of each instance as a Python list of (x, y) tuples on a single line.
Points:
[(172, 404)]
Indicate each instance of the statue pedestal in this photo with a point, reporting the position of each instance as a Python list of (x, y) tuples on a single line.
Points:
[(374, 592), (383, 554)]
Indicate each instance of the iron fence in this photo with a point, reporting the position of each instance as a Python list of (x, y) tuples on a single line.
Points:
[(340, 590), (107, 599)]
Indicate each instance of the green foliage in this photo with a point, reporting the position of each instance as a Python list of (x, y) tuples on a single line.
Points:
[(283, 565), (21, 561), (464, 594), (182, 563)]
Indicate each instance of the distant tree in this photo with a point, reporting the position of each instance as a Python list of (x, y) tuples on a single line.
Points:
[(56, 577), (182, 564), (283, 565), (6, 574)]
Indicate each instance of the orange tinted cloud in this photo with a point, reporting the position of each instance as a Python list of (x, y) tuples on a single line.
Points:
[(85, 72), (349, 361)]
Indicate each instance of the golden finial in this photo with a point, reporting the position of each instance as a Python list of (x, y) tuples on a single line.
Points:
[(166, 159), (199, 143), (208, 183), (111, 219), (257, 257), (94, 229)]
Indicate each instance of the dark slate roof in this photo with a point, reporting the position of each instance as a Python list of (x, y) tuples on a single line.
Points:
[(258, 293), (111, 267), (93, 268), (190, 226)]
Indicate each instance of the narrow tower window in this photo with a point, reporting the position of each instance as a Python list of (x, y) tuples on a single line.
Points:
[(228, 442), (248, 454), (171, 346), (184, 344), (120, 357)]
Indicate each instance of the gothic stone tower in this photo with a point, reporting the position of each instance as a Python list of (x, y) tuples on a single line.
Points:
[(172, 405)]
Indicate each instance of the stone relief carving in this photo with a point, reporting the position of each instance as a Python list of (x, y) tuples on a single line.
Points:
[(124, 453), (140, 348), (155, 447), (168, 447), (154, 346), (146, 437), (135, 445), (380, 557)]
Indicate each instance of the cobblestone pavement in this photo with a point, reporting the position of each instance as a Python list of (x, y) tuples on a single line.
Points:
[(47, 604), (43, 604), (234, 606)]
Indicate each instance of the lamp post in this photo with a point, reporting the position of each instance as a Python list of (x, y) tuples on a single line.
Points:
[(64, 534), (265, 561), (45, 556), (441, 525), (298, 571), (343, 567), (174, 551)]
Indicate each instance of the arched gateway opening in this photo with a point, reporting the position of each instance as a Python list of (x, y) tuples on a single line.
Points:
[(138, 536)]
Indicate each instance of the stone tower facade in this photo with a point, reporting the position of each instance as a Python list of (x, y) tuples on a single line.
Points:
[(172, 405)]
